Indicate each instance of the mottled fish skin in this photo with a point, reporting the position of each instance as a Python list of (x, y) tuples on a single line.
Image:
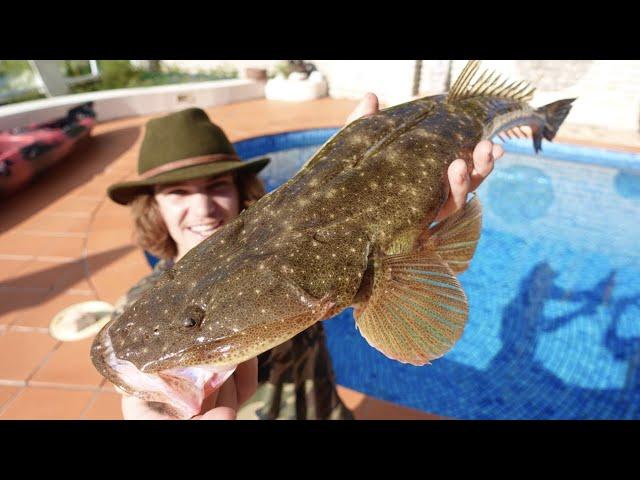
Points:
[(299, 254)]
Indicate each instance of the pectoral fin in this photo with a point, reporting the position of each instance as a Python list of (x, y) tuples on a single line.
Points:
[(416, 310), (455, 239)]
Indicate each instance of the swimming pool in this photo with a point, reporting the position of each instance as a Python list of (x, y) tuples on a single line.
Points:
[(554, 327)]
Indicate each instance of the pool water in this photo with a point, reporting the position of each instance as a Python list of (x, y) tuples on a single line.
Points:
[(554, 292)]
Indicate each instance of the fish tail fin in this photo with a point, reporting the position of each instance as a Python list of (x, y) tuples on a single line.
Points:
[(554, 114)]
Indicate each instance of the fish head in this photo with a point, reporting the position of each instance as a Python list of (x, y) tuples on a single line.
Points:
[(185, 335)]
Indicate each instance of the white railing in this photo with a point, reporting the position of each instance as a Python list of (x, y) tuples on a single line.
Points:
[(49, 80), (78, 79)]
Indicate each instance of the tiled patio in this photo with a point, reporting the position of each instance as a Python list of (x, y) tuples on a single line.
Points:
[(63, 242)]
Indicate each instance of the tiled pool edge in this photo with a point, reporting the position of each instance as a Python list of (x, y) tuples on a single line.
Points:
[(578, 154)]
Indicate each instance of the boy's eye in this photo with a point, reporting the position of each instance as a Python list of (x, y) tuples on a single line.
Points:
[(177, 191), (218, 186)]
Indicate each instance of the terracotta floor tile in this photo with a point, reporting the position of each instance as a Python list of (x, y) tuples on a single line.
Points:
[(6, 393), (375, 409), (114, 280), (106, 407), (65, 247), (110, 291), (108, 386), (102, 240), (31, 200), (351, 398), (12, 302), (17, 243), (71, 203), (21, 353), (112, 222), (47, 404), (9, 268), (50, 233), (91, 189), (56, 224), (111, 208), (95, 188), (69, 365), (105, 179), (49, 275), (117, 256), (41, 313)]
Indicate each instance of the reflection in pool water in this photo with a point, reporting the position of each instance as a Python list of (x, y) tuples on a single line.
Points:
[(507, 199), (627, 183)]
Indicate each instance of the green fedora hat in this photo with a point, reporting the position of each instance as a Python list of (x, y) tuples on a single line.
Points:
[(181, 146)]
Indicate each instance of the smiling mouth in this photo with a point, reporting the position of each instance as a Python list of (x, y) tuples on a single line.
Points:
[(205, 229)]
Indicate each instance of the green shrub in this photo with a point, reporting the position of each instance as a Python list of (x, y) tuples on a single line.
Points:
[(113, 74), (121, 74)]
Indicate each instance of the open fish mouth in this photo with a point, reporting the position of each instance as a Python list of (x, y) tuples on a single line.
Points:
[(183, 389)]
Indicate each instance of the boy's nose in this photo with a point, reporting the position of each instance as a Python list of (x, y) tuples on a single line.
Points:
[(203, 203)]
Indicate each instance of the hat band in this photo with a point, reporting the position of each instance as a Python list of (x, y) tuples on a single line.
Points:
[(187, 162)]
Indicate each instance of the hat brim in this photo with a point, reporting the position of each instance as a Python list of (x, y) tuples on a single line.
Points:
[(124, 192)]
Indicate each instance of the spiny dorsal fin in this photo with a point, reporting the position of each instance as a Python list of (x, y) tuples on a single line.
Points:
[(469, 85)]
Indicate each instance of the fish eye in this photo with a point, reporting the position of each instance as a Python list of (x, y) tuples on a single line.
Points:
[(189, 322), (193, 317)]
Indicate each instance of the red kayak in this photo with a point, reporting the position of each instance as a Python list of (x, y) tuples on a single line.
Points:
[(27, 151)]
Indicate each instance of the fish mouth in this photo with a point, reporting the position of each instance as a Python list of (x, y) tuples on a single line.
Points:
[(182, 388)]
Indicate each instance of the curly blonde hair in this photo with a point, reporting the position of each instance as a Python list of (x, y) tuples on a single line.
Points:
[(150, 230)]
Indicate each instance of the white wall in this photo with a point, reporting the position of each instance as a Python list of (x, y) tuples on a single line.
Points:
[(391, 80)]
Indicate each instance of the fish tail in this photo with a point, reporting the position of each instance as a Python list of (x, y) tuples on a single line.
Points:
[(554, 114)]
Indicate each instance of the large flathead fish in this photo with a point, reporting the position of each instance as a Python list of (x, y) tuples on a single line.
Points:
[(352, 228)]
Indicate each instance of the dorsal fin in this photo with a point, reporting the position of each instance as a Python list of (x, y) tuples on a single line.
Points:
[(469, 85)]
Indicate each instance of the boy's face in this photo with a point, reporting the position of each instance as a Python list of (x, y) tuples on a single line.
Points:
[(194, 209)]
